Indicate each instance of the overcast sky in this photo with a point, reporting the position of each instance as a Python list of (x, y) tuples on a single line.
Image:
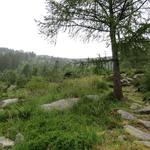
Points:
[(18, 30)]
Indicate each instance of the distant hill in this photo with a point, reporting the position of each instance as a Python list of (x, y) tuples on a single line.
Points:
[(11, 59)]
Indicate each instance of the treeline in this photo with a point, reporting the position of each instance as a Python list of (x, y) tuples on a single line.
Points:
[(11, 59), (18, 67)]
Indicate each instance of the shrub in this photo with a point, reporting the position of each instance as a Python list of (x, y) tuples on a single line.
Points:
[(9, 76), (98, 110), (3, 87), (57, 130), (147, 97), (83, 86), (37, 85), (139, 71), (144, 83), (17, 111), (21, 81)]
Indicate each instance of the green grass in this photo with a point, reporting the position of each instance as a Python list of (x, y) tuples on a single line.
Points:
[(76, 129)]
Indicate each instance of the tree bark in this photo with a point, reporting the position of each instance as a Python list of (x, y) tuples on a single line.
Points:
[(116, 68)]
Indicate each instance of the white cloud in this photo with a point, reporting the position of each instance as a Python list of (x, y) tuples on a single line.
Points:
[(19, 31)]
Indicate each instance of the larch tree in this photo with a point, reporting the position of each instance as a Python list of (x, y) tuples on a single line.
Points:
[(89, 19)]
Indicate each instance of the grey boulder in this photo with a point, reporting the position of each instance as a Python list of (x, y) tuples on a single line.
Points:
[(6, 143), (137, 133), (7, 102), (145, 123), (135, 106), (60, 104), (126, 115)]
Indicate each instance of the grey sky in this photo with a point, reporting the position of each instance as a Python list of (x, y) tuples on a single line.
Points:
[(19, 31)]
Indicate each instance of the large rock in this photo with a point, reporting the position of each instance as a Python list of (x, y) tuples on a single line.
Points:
[(126, 115), (6, 143), (92, 97), (60, 104), (137, 133), (145, 110), (145, 123), (7, 102)]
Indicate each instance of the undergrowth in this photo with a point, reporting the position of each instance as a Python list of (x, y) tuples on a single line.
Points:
[(75, 129)]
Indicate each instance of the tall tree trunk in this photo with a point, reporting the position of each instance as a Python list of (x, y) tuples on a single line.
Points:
[(116, 69)]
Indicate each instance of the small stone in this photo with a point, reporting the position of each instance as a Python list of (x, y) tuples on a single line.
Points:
[(138, 76), (145, 123), (126, 115), (19, 138), (122, 138), (92, 97), (125, 82), (145, 143), (129, 79), (135, 106), (137, 133)]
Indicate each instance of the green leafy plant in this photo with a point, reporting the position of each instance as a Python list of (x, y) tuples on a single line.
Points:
[(37, 85)]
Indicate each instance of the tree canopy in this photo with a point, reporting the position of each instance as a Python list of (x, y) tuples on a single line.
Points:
[(88, 19)]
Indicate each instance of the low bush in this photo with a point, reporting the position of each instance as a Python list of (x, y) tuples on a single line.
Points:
[(21, 81), (3, 87), (146, 97), (143, 83), (57, 130), (74, 129), (37, 85), (146, 82), (83, 86)]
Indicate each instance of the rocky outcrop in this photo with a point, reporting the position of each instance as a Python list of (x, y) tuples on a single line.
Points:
[(60, 104), (145, 110), (145, 123), (135, 106), (126, 115), (137, 133)]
